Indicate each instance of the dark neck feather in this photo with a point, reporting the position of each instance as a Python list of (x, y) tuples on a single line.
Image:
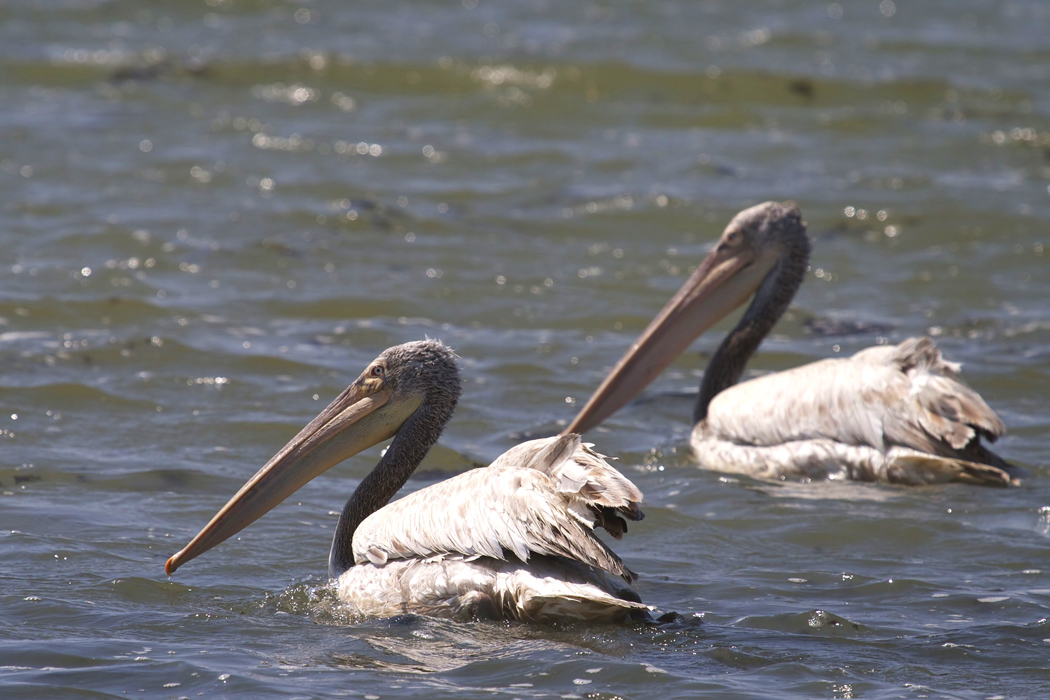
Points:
[(411, 444), (771, 300)]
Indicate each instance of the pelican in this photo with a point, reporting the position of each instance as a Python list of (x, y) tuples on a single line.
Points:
[(512, 540), (889, 413)]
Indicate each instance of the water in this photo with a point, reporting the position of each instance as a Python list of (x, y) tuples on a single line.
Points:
[(213, 215)]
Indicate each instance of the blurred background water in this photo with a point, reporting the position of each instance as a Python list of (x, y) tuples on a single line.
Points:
[(213, 214)]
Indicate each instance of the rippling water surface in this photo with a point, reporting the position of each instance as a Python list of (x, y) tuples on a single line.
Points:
[(213, 214)]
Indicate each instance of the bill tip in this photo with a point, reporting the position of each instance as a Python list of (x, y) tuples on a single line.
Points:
[(170, 565)]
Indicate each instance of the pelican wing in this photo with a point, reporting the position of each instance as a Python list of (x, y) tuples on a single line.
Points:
[(580, 471), (940, 408), (905, 395), (541, 497)]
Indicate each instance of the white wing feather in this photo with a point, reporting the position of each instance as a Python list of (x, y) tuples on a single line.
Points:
[(904, 395), (541, 497)]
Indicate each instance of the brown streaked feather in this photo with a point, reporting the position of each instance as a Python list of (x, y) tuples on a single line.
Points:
[(897, 413), (580, 470), (541, 497), (940, 409), (903, 395)]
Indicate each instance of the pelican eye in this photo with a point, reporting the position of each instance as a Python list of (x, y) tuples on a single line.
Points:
[(377, 371)]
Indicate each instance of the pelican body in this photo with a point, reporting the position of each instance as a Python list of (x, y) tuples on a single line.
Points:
[(889, 413), (512, 540)]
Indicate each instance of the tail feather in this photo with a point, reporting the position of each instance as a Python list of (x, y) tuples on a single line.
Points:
[(583, 473), (941, 414), (553, 589), (918, 468)]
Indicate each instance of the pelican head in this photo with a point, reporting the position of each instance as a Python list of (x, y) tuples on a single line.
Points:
[(415, 382), (753, 256)]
